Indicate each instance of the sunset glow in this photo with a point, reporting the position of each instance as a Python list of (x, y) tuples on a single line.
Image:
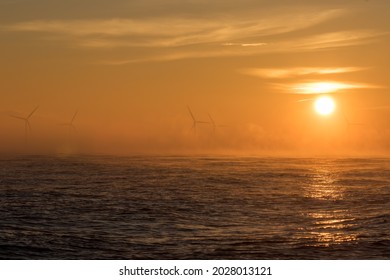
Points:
[(194, 130), (131, 70)]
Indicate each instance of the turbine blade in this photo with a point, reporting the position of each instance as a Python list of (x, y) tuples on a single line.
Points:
[(17, 117), (192, 115), (32, 112)]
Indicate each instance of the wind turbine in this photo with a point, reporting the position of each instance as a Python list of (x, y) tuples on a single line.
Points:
[(27, 126), (195, 121), (214, 125), (70, 124), (349, 123)]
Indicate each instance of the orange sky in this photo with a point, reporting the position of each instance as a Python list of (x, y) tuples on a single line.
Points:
[(131, 68)]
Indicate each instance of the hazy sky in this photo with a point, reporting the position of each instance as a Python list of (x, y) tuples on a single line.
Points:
[(131, 68)]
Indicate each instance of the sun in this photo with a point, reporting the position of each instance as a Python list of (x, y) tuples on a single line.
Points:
[(324, 105)]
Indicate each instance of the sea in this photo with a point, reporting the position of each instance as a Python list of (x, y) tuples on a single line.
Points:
[(193, 207)]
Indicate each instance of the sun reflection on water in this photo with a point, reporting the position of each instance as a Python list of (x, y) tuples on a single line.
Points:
[(329, 222), (331, 227), (323, 186)]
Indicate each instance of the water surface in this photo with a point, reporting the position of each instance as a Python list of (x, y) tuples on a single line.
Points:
[(99, 207)]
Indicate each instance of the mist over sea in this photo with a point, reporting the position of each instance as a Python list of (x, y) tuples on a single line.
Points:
[(101, 207)]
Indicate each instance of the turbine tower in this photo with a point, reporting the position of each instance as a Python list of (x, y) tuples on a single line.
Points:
[(27, 126), (194, 120)]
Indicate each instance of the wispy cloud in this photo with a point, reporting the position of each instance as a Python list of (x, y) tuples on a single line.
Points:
[(337, 39), (309, 88), (174, 32), (172, 38), (278, 73), (300, 44), (245, 44)]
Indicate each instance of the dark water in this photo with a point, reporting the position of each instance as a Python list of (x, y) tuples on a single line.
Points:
[(194, 208)]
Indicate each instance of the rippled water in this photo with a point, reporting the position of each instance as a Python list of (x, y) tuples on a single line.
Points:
[(194, 208)]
